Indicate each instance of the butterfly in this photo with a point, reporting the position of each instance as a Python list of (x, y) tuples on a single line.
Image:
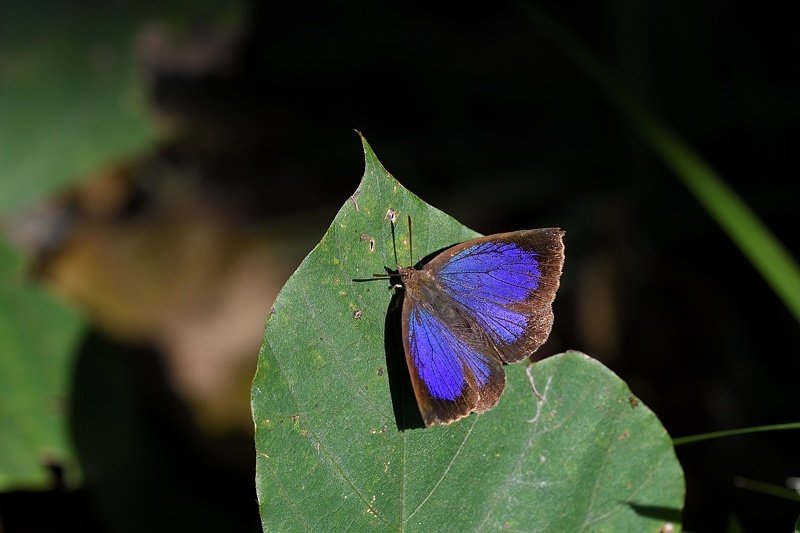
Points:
[(472, 308)]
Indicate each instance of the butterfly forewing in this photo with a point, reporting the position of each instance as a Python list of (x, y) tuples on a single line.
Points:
[(472, 307)]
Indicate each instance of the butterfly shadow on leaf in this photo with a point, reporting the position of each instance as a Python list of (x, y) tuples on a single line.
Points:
[(404, 403), (406, 410)]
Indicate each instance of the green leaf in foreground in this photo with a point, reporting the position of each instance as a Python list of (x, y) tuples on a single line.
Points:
[(337, 446), (37, 340)]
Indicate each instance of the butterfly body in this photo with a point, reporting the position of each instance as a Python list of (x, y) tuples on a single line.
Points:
[(473, 307)]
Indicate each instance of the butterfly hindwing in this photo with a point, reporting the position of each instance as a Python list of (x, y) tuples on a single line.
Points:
[(450, 377), (473, 307)]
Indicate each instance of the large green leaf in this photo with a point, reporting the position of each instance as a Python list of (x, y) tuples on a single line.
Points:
[(339, 441), (37, 339)]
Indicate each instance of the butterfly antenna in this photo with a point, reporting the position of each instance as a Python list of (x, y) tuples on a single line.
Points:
[(394, 240), (410, 248), (391, 215)]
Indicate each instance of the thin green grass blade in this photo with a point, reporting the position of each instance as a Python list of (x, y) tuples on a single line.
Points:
[(731, 432), (746, 230), (766, 488)]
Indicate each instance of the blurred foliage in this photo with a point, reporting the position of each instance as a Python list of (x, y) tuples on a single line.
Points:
[(72, 97), (37, 339)]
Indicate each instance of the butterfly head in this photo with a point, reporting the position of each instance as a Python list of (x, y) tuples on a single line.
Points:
[(412, 277)]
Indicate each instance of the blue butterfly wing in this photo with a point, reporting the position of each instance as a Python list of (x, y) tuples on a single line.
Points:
[(506, 283), (450, 377), (473, 307)]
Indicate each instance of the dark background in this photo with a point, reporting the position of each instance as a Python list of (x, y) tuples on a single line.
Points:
[(479, 113)]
